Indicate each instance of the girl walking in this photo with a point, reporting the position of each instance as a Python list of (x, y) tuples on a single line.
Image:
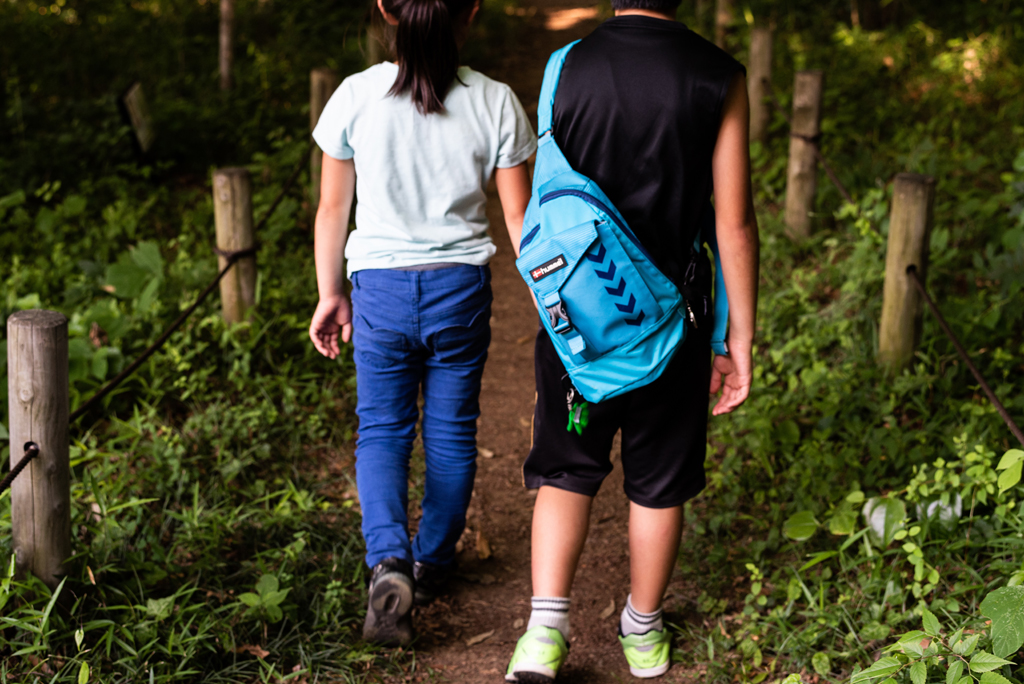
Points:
[(416, 141)]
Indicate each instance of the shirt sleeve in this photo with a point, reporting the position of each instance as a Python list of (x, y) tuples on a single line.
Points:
[(333, 130), (517, 139)]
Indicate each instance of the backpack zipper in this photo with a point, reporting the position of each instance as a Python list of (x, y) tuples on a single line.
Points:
[(590, 199)]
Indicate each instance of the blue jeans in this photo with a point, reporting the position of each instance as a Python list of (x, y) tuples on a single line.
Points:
[(414, 329)]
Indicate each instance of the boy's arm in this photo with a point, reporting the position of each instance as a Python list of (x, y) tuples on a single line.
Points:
[(736, 226), (514, 192), (333, 316)]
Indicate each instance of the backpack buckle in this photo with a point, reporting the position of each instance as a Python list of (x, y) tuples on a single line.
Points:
[(559, 318)]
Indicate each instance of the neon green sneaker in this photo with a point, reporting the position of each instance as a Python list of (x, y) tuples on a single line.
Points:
[(538, 655), (647, 654)]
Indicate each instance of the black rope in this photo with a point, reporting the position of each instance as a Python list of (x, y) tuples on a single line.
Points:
[(231, 257), (814, 140), (914, 278), (31, 451)]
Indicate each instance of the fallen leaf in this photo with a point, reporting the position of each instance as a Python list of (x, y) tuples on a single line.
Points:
[(473, 641), (524, 422), (92, 577), (483, 547), (607, 612), (254, 650), (518, 623), (525, 338), (486, 453)]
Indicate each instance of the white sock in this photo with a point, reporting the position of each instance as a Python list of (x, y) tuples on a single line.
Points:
[(635, 622), (550, 611)]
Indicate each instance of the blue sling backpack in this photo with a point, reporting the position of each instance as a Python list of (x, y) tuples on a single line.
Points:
[(614, 318)]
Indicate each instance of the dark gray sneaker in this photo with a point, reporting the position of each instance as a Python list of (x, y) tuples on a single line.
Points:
[(389, 613), (431, 581)]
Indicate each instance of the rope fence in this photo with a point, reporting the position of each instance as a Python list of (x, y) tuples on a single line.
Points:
[(31, 451)]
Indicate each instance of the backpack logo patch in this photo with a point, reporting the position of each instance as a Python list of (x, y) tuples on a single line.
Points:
[(548, 267)]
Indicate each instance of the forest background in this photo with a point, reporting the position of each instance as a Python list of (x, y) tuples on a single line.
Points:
[(856, 524)]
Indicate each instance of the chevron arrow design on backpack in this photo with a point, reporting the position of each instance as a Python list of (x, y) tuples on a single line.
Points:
[(617, 291), (599, 257), (628, 307), (635, 321), (606, 275)]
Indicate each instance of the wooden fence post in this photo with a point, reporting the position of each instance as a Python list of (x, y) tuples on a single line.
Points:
[(134, 103), (759, 78), (724, 15), (910, 227), (802, 181), (322, 84), (374, 46), (37, 384), (226, 54), (232, 211)]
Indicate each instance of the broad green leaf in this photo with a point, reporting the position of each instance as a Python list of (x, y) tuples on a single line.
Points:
[(792, 679), (250, 599), (274, 598), (994, 678), (266, 584), (855, 497), (1009, 458), (918, 672), (821, 663), (966, 647), (83, 673), (911, 642), (983, 661), (800, 526), (160, 609), (146, 256), (125, 279), (3, 432), (1005, 607), (883, 667), (274, 613), (884, 516), (788, 432), (956, 668), (874, 631), (843, 522), (1010, 477), (931, 623), (818, 558)]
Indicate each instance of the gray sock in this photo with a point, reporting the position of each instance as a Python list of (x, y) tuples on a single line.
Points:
[(550, 611), (635, 622)]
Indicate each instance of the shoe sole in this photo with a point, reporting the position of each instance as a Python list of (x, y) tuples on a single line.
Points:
[(530, 678), (391, 600), (649, 672)]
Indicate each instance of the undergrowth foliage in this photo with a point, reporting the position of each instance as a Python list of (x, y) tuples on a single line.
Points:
[(859, 525)]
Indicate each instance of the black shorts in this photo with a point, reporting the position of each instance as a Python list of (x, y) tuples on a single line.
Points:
[(664, 430)]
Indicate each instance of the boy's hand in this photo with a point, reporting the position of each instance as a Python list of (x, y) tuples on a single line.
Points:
[(731, 374), (332, 315)]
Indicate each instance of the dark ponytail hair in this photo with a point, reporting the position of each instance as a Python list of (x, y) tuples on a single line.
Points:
[(427, 48)]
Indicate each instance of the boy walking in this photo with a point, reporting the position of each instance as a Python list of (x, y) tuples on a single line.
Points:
[(658, 118)]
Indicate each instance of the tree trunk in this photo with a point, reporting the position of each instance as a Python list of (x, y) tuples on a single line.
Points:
[(724, 17), (758, 81), (227, 29)]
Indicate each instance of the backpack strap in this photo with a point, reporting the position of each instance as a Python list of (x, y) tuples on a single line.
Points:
[(721, 300), (552, 73)]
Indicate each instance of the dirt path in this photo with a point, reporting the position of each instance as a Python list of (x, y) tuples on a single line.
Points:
[(493, 595)]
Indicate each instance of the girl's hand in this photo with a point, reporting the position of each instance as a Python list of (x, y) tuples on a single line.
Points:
[(332, 315), (732, 374)]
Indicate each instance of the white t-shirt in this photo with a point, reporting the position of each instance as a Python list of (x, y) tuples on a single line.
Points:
[(421, 179)]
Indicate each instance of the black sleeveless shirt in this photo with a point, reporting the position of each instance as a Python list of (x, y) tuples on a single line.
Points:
[(638, 109)]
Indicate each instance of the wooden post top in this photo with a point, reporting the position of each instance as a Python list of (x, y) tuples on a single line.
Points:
[(37, 318), (915, 178), (231, 171)]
